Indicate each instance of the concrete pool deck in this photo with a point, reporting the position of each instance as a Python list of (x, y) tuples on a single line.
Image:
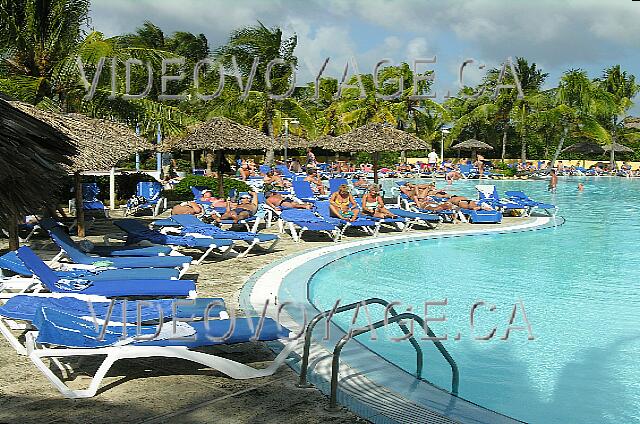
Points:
[(157, 391)]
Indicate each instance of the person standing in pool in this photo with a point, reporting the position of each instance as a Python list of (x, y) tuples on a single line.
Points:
[(553, 182), (580, 187)]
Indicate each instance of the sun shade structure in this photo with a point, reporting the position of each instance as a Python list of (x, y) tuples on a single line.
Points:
[(220, 133), (472, 144), (32, 157), (618, 148), (293, 142), (584, 147), (373, 138), (632, 122), (101, 144)]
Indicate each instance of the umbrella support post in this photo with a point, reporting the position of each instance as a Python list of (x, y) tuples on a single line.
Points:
[(193, 161), (79, 204), (12, 229), (375, 167), (112, 189), (219, 159)]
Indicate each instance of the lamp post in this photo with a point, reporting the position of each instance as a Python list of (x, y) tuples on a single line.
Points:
[(294, 121), (443, 131), (137, 152)]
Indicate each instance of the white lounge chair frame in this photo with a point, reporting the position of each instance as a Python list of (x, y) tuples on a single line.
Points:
[(233, 369)]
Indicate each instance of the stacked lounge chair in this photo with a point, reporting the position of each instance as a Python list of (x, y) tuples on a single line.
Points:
[(191, 225), (137, 232), (151, 192), (64, 330), (69, 249)]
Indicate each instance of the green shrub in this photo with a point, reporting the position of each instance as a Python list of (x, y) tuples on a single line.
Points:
[(504, 169), (183, 188)]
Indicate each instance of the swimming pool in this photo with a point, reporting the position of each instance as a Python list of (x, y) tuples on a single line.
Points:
[(579, 287)]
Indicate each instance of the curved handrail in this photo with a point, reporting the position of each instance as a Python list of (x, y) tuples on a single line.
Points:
[(455, 375), (374, 300)]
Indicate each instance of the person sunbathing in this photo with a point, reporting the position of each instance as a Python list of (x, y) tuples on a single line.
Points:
[(465, 203), (246, 207), (277, 201), (417, 193), (275, 180), (361, 182), (342, 204), (187, 208), (315, 181), (373, 205), (207, 196)]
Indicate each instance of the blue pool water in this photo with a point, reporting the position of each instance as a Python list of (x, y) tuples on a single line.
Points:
[(579, 284)]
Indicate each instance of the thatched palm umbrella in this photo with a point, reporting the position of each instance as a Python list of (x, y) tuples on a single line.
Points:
[(218, 134), (373, 138), (473, 145), (292, 142), (32, 154), (584, 147), (632, 122), (101, 145), (617, 148)]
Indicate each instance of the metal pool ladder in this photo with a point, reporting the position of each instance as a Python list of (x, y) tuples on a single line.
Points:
[(395, 318)]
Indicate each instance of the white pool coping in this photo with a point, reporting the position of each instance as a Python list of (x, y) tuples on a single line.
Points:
[(267, 283)]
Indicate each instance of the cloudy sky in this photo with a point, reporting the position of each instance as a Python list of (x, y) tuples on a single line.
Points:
[(556, 34)]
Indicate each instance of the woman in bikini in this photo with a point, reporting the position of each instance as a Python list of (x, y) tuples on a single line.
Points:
[(342, 204), (465, 203), (373, 205)]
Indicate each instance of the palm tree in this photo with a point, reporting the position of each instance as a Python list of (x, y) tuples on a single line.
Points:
[(258, 41), (623, 87), (36, 36), (580, 105), (39, 44), (531, 81)]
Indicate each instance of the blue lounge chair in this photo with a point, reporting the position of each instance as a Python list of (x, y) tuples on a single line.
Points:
[(90, 201), (522, 198), (109, 288), (68, 248), (285, 172), (482, 216), (192, 225), (151, 192), (11, 262), (367, 225), (61, 334), (305, 220), (54, 228), (303, 191), (335, 183), (401, 223), (264, 169), (137, 232), (20, 311), (430, 220), (17, 278), (488, 194)]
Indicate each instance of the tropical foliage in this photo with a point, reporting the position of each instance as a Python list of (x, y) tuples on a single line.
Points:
[(41, 41)]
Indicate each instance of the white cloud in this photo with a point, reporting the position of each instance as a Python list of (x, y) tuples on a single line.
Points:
[(558, 35)]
